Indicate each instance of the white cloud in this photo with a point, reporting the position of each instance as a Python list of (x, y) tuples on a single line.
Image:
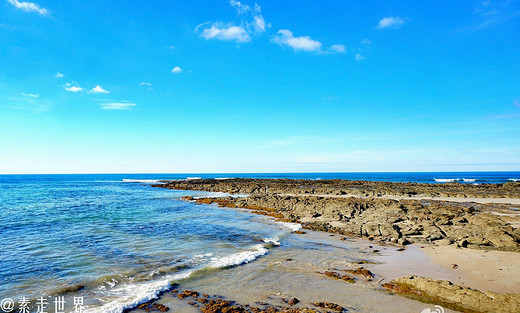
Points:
[(366, 42), (176, 70), (254, 24), (145, 84), (241, 8), (259, 23), (59, 75), (117, 105), (359, 57), (305, 43), (337, 49), (390, 22), (28, 7), (32, 95), (228, 33), (72, 88), (98, 89)]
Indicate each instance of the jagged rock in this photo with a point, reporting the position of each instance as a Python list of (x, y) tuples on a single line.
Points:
[(402, 222), (331, 306)]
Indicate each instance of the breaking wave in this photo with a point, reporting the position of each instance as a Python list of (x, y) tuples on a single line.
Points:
[(446, 180), (238, 258), (128, 296), (291, 226), (142, 181)]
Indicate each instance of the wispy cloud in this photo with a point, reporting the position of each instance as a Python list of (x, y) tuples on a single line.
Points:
[(59, 75), (117, 105), (259, 24), (494, 13), (27, 101), (390, 22), (98, 89), (366, 42), (145, 84), (28, 7), (32, 95), (238, 32), (176, 70), (241, 8), (359, 57), (73, 87), (338, 49)]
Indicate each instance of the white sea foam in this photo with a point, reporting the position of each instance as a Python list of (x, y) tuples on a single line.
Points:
[(223, 178), (514, 179), (130, 295), (193, 178), (202, 255), (291, 226), (469, 180), (143, 181), (239, 258), (446, 180), (275, 241)]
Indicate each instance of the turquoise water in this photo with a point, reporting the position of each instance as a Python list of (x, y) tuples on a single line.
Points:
[(119, 243)]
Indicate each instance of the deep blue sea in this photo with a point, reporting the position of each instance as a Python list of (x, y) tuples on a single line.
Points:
[(116, 241)]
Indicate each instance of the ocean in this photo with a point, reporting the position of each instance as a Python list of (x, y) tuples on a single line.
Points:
[(115, 242)]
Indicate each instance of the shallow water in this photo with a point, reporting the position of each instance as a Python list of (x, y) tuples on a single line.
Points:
[(120, 243), (294, 269), (117, 244)]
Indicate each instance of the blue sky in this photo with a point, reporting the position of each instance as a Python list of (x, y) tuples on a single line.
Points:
[(266, 86)]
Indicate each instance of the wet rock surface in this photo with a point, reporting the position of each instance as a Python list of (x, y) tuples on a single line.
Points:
[(153, 307), (455, 297), (389, 221), (216, 304)]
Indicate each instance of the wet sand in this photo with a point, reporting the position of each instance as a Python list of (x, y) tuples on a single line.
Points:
[(295, 270)]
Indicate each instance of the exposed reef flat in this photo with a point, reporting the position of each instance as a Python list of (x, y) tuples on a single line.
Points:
[(495, 193), (464, 224)]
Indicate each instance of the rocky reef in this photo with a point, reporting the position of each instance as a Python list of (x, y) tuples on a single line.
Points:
[(367, 209), (390, 221), (348, 187)]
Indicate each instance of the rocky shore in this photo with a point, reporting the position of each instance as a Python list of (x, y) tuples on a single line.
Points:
[(217, 304), (360, 209), (348, 187), (468, 225)]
